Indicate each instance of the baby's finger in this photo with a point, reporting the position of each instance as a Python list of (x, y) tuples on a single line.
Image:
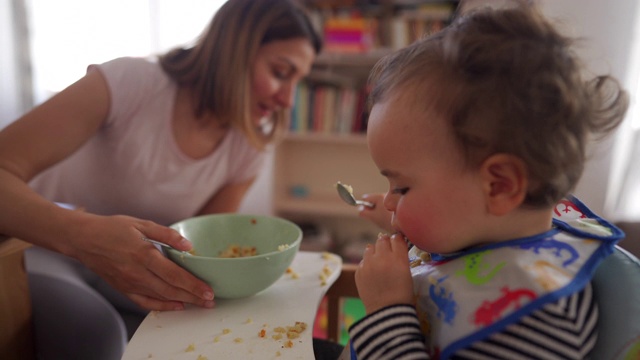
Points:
[(383, 243), (369, 251), (399, 244)]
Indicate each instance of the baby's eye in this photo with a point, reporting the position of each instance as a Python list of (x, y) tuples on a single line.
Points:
[(400, 191)]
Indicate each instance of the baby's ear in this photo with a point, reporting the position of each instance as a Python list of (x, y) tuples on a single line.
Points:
[(505, 180)]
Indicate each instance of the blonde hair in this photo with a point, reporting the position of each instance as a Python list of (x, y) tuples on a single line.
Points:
[(217, 67), (508, 82)]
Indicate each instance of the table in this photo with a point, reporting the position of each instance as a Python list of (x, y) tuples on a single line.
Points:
[(231, 330)]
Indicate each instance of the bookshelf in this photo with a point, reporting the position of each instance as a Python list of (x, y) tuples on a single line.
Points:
[(326, 142)]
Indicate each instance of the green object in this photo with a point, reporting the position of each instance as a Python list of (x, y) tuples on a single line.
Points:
[(353, 310), (276, 241)]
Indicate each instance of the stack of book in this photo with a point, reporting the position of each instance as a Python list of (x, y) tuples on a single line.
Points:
[(348, 34), (328, 109)]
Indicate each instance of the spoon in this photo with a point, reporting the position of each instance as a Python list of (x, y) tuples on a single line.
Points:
[(165, 245), (346, 193)]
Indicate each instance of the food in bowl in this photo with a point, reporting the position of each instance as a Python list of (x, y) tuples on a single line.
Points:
[(276, 242), (234, 251)]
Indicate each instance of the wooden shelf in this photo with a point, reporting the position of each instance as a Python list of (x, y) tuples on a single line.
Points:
[(308, 164), (320, 206), (327, 138)]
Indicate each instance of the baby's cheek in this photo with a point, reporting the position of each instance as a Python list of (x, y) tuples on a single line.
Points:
[(414, 226)]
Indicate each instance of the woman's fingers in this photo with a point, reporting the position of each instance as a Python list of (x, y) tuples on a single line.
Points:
[(166, 235), (154, 304), (175, 283)]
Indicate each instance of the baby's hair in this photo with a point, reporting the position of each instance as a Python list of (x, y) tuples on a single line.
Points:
[(508, 82)]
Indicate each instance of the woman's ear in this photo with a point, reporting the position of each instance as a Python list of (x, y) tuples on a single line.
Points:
[(505, 182)]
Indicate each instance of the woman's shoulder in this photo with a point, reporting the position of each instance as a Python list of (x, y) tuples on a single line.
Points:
[(133, 72), (131, 63)]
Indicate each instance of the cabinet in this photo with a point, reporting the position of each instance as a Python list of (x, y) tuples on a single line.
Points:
[(327, 141)]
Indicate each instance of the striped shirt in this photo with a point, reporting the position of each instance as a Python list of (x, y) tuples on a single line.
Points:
[(565, 329)]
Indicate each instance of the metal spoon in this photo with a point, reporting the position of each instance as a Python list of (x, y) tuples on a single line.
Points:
[(165, 245), (346, 193)]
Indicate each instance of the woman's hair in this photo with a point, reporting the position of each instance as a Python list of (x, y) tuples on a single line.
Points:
[(508, 82), (217, 67)]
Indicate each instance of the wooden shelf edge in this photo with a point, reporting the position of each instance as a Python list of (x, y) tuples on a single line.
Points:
[(318, 137)]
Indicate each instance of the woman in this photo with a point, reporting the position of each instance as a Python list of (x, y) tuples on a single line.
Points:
[(140, 144)]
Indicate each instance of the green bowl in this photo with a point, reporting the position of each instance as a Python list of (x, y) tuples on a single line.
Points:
[(276, 240)]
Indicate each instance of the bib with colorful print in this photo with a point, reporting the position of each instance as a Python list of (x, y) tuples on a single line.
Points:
[(466, 297)]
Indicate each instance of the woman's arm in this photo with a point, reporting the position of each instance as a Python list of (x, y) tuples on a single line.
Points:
[(39, 139), (111, 246)]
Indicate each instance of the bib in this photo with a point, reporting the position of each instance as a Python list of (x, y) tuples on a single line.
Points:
[(468, 296)]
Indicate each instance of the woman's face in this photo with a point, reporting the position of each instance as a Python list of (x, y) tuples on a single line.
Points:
[(278, 67)]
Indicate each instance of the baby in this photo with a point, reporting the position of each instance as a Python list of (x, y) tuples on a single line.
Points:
[(481, 131)]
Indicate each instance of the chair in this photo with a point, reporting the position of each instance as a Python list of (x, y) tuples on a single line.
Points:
[(616, 286), (71, 320), (344, 286)]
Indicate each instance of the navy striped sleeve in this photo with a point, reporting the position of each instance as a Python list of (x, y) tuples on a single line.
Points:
[(390, 333)]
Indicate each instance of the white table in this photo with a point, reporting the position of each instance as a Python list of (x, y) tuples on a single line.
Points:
[(231, 329)]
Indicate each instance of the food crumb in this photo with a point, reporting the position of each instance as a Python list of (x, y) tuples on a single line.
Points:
[(190, 348), (278, 353), (200, 357), (249, 321), (226, 331), (288, 344), (292, 273), (238, 340), (262, 333), (216, 339), (283, 247)]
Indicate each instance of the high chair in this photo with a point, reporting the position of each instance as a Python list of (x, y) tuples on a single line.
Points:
[(616, 285)]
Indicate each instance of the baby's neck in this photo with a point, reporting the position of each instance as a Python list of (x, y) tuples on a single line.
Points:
[(519, 224)]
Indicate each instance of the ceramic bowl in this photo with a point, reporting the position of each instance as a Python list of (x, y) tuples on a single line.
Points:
[(276, 242)]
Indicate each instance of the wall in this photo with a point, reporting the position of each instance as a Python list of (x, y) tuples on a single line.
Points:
[(606, 26), (608, 29), (11, 97)]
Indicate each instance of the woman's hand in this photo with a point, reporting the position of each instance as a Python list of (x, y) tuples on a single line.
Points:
[(378, 214), (384, 277), (113, 248)]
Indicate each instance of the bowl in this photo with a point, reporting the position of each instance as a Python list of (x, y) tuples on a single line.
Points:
[(276, 243)]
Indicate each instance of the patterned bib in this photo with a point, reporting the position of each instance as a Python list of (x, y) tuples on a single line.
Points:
[(465, 297)]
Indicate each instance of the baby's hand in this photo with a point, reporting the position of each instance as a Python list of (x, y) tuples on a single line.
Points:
[(384, 277), (378, 214)]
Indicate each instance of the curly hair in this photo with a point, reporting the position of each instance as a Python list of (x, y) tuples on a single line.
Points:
[(508, 82)]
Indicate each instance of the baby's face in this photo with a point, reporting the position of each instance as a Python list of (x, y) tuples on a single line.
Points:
[(436, 200)]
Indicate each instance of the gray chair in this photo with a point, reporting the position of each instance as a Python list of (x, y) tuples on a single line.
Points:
[(71, 319), (617, 289)]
